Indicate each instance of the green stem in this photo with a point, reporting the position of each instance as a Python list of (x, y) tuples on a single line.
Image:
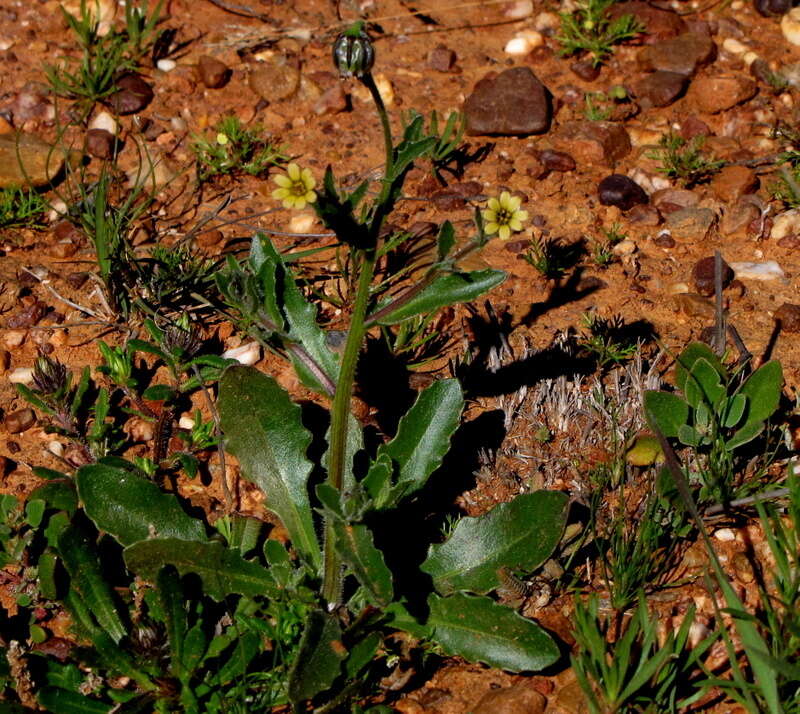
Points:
[(369, 83), (340, 411)]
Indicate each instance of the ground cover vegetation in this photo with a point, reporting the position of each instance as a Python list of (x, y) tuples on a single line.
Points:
[(129, 597)]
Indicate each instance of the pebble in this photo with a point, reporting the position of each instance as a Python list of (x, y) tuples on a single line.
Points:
[(524, 43), (26, 160), (716, 94), (768, 270), (209, 238), (738, 217), (593, 142), (790, 26), (56, 448), (644, 215), (213, 73), (186, 422), (725, 535), (140, 429), (275, 79), (513, 103), (621, 191), (683, 54), (133, 94), (104, 120), (771, 8), (19, 421), (32, 103), (517, 699), (693, 305), (693, 126), (733, 46), (786, 223), (247, 354), (557, 160), (690, 224), (586, 69), (519, 10), (332, 101), (547, 22), (302, 223), (660, 24), (703, 275), (76, 279), (100, 143), (660, 89), (441, 58), (14, 338), (166, 65), (664, 240), (788, 315), (733, 182), (681, 197)]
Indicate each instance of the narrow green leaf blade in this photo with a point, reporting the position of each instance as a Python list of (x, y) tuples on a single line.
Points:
[(423, 437), (520, 534), (319, 661), (132, 508), (480, 630), (61, 701), (222, 570), (170, 595), (264, 431), (446, 289)]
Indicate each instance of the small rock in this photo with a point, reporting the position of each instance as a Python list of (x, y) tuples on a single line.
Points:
[(693, 305), (275, 79), (26, 160), (302, 223), (166, 65), (768, 270), (733, 182), (703, 275), (32, 104), (786, 223), (513, 103), (683, 54), (738, 217), (790, 242), (519, 10), (593, 142), (716, 94), (210, 238), (14, 338), (692, 126), (523, 43), (5, 360), (528, 163), (726, 535), (21, 375), (732, 46), (76, 280), (659, 24), (621, 191), (557, 160), (690, 224), (680, 197), (133, 94), (20, 420), (586, 69), (788, 315), (213, 73), (140, 429), (101, 143), (104, 120), (27, 315), (333, 100), (772, 8), (664, 240), (660, 89), (518, 699), (247, 354), (643, 215), (63, 249), (790, 26), (441, 58)]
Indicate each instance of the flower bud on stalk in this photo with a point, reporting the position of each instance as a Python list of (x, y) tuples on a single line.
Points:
[(353, 53)]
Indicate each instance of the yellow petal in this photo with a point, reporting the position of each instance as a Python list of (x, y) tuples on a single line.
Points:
[(504, 197), (490, 228), (280, 193), (489, 216), (300, 203), (310, 197), (283, 181), (294, 172), (521, 215), (513, 203), (493, 204), (504, 232), (308, 179), (515, 224)]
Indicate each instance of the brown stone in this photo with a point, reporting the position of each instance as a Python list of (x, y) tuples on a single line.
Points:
[(26, 160), (788, 315), (62, 249), (100, 143), (593, 142), (557, 160), (680, 55), (659, 24), (694, 305), (660, 89), (210, 238), (76, 280), (690, 224), (20, 420), (332, 101), (716, 94), (644, 215), (213, 73), (680, 197), (733, 182), (692, 127), (586, 69), (518, 699), (441, 58), (703, 275), (528, 163), (133, 94), (276, 79), (738, 217)]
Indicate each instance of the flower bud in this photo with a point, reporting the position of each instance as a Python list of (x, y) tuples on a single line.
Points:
[(49, 375), (353, 53)]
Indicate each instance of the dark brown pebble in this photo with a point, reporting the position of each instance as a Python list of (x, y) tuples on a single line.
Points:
[(790, 242), (620, 191), (703, 275), (517, 246), (664, 240), (27, 316), (101, 143), (213, 73), (788, 316), (557, 160), (13, 447), (441, 58), (20, 420), (586, 70), (771, 8), (133, 94)]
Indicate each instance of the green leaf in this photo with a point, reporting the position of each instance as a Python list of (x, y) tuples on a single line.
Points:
[(446, 289), (264, 431), (763, 392), (239, 657), (378, 479), (704, 385), (519, 535), (744, 435), (86, 576), (127, 505), (61, 701), (194, 648), (666, 412), (222, 570), (734, 410), (319, 660), (46, 573), (423, 438), (689, 436), (445, 240), (686, 361), (171, 598), (480, 630), (59, 495), (355, 544)]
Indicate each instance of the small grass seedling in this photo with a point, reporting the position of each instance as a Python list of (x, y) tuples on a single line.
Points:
[(589, 29), (684, 160), (22, 208)]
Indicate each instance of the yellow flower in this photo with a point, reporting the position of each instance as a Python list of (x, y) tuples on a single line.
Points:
[(503, 215), (296, 187), (222, 139)]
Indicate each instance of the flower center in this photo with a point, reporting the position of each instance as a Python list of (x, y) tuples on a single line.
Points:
[(504, 216), (298, 188)]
